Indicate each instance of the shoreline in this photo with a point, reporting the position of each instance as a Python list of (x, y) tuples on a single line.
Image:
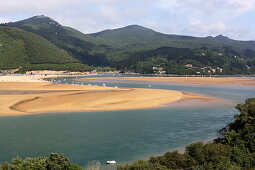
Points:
[(249, 81), (33, 95)]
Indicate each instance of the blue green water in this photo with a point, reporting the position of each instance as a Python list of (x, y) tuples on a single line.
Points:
[(120, 135)]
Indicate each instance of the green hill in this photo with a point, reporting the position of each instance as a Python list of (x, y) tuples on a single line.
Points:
[(183, 61), (142, 49), (141, 36), (84, 48), (21, 48), (136, 48)]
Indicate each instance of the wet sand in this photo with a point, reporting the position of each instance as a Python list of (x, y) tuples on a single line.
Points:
[(43, 97), (186, 80), (36, 96)]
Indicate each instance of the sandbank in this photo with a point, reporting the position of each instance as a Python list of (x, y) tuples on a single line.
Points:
[(36, 96)]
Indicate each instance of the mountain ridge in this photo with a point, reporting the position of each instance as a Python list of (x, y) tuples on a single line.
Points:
[(132, 26), (123, 48)]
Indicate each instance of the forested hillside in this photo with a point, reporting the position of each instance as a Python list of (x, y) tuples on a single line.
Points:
[(30, 51), (199, 61), (142, 50), (82, 47)]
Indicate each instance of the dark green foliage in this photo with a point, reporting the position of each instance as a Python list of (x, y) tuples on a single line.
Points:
[(173, 61), (240, 134), (54, 162), (142, 165), (195, 151), (236, 150), (58, 67), (214, 156), (21, 48), (174, 160)]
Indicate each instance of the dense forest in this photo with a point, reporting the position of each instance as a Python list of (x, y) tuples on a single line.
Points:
[(181, 61), (234, 150), (53, 162), (30, 51), (129, 49)]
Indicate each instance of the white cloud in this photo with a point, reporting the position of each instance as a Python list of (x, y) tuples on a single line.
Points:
[(196, 17), (168, 27), (4, 20), (30, 6), (236, 7), (210, 17), (200, 28)]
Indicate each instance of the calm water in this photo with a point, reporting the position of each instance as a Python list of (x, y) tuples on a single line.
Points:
[(123, 136)]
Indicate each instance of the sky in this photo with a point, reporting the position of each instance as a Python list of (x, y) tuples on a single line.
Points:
[(232, 18)]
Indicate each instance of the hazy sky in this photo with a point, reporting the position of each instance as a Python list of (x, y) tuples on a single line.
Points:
[(233, 18)]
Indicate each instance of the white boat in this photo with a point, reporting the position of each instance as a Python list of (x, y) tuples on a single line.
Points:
[(111, 162)]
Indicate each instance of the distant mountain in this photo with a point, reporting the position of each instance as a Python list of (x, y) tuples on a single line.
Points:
[(25, 49), (141, 36), (77, 44), (221, 38), (89, 48), (127, 36), (134, 46)]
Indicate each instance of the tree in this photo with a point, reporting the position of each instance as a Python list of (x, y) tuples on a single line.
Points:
[(54, 162)]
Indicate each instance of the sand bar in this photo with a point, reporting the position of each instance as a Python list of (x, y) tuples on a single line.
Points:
[(36, 96), (186, 80)]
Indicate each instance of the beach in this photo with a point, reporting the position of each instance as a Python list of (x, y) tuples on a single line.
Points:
[(20, 95), (186, 80)]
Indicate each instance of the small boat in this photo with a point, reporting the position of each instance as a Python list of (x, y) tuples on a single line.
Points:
[(111, 162)]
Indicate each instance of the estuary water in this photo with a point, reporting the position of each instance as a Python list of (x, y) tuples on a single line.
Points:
[(125, 135)]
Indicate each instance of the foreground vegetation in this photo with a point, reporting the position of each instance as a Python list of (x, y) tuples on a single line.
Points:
[(235, 150), (53, 162)]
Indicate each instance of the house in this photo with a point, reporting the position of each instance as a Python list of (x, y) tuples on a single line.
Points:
[(162, 72), (248, 67), (213, 70), (219, 69), (158, 70), (189, 65)]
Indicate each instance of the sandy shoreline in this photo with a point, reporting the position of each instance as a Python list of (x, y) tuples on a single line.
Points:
[(185, 80), (31, 95)]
